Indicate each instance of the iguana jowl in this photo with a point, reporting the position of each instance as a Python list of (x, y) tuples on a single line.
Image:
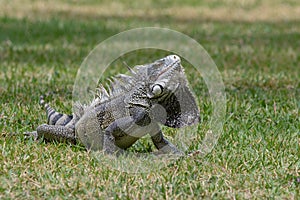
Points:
[(153, 94)]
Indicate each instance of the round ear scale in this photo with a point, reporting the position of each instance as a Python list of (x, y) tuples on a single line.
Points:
[(157, 89)]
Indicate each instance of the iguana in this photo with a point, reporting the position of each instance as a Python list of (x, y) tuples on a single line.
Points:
[(136, 104)]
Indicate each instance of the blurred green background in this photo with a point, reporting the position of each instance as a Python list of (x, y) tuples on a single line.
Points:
[(254, 43)]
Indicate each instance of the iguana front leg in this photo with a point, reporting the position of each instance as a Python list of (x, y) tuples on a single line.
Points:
[(125, 131), (121, 134), (163, 145)]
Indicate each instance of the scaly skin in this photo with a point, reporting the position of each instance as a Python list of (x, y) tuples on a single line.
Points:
[(155, 93)]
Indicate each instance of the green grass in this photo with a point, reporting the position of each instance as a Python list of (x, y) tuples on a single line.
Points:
[(256, 157)]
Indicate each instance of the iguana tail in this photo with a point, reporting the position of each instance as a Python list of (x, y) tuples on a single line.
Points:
[(54, 117)]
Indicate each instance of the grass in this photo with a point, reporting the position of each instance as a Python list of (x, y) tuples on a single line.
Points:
[(43, 44)]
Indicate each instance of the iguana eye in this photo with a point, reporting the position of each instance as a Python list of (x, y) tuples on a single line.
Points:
[(157, 89)]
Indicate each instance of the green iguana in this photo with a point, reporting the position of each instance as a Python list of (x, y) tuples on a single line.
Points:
[(153, 94)]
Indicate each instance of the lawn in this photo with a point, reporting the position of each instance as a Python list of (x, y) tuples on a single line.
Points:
[(255, 45)]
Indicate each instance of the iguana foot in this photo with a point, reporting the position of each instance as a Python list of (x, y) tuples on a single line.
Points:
[(32, 134)]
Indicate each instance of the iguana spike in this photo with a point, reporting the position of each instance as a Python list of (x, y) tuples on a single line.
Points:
[(121, 82), (98, 93), (110, 81), (117, 86), (129, 68), (115, 80), (102, 93), (114, 84), (109, 89), (125, 79)]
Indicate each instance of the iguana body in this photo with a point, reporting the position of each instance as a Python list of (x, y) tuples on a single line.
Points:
[(135, 105)]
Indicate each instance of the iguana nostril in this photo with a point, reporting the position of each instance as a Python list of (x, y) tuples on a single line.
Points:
[(174, 57)]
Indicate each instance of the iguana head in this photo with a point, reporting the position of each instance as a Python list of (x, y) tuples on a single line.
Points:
[(166, 91)]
